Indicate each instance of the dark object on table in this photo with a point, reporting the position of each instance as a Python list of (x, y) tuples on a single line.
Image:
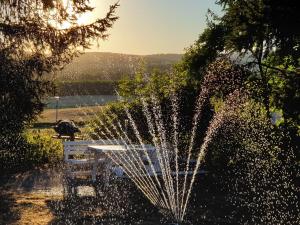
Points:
[(66, 128)]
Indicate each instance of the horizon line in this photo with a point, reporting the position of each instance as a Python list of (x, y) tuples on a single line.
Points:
[(133, 53)]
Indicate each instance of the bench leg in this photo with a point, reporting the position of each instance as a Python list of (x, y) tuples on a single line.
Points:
[(94, 169), (69, 188)]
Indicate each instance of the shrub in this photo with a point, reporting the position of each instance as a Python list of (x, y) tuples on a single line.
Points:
[(32, 149), (43, 149), (252, 169)]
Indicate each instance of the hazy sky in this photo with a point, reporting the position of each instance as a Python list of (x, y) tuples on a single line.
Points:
[(153, 26)]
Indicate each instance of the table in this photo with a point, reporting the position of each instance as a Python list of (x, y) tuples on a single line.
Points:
[(102, 150)]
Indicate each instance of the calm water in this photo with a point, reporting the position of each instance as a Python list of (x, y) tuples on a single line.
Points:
[(80, 101)]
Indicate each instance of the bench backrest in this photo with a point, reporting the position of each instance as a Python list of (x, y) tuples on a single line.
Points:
[(72, 148)]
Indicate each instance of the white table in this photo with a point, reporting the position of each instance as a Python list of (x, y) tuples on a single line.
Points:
[(99, 152)]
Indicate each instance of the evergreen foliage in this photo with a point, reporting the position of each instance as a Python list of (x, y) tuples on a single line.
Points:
[(33, 43)]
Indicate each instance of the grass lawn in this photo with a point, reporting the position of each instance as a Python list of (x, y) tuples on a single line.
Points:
[(76, 114)]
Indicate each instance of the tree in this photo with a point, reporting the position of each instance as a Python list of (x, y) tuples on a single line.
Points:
[(259, 30), (204, 51), (262, 36), (33, 44), (265, 32)]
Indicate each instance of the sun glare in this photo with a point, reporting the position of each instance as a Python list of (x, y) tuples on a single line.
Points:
[(84, 19)]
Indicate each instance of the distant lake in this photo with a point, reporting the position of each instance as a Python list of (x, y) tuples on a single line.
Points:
[(80, 101)]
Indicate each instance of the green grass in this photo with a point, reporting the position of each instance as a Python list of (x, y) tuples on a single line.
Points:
[(35, 148), (79, 115)]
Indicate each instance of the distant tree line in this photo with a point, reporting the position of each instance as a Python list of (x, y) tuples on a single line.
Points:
[(99, 66)]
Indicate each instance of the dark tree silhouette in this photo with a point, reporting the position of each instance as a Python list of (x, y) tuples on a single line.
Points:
[(262, 36), (32, 45)]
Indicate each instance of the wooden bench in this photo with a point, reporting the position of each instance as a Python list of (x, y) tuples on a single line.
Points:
[(78, 159), (87, 167)]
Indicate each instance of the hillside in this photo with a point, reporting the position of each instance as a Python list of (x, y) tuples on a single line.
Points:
[(112, 66)]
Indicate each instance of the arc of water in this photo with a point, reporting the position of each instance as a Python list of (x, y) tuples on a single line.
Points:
[(158, 146), (141, 142), (139, 137), (217, 121), (141, 170), (142, 183), (132, 173), (144, 177), (128, 171), (155, 174), (94, 113), (175, 118), (199, 106), (163, 141), (154, 139), (136, 155), (215, 124), (165, 152)]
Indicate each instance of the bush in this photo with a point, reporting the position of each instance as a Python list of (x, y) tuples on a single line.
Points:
[(33, 149), (252, 170), (43, 149)]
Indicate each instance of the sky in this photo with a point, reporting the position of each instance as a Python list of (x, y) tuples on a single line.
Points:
[(152, 26)]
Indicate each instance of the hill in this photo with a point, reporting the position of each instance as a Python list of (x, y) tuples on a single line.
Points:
[(112, 66)]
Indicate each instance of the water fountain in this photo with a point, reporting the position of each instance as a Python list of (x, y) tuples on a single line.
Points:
[(167, 188), (170, 187)]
